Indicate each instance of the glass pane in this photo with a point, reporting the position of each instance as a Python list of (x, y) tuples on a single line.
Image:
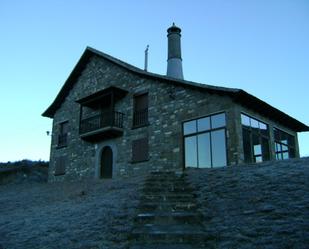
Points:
[(257, 149), (254, 123), (276, 134), (203, 124), (247, 145), (218, 148), (292, 153), (256, 145), (204, 156), (277, 147), (285, 155), (258, 159), (218, 120), (189, 127), (190, 152), (245, 120), (291, 141), (264, 129), (284, 147), (283, 137)]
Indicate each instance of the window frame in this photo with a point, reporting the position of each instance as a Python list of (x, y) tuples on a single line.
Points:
[(136, 145), (136, 124), (62, 137), (207, 131), (60, 166), (251, 129), (279, 142)]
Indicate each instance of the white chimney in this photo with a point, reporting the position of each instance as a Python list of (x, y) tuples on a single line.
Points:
[(174, 61)]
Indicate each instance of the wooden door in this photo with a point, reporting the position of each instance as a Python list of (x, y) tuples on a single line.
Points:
[(107, 162)]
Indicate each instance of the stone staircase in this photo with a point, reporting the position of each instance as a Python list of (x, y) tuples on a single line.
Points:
[(167, 217)]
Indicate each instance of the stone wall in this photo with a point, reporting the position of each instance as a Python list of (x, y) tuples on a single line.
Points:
[(169, 106)]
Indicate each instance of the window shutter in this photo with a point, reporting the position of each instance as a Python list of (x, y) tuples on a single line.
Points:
[(60, 165), (140, 150)]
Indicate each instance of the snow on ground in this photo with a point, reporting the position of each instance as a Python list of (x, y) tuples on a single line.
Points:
[(254, 206), (81, 215)]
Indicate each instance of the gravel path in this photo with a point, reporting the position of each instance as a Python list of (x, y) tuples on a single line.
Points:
[(78, 215), (256, 206)]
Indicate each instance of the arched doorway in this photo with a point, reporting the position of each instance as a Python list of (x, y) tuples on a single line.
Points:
[(106, 162)]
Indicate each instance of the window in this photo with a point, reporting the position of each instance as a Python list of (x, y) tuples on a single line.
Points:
[(255, 139), (205, 142), (140, 112), (284, 145), (63, 134), (140, 150), (60, 166)]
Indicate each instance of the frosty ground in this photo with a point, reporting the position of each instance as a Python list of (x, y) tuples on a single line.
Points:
[(254, 206)]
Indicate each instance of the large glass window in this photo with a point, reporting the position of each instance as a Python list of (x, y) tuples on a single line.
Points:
[(255, 139), (284, 145), (205, 142)]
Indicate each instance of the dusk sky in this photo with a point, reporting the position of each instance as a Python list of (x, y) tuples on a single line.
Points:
[(259, 46)]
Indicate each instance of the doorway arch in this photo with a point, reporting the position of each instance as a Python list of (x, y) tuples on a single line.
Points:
[(106, 169)]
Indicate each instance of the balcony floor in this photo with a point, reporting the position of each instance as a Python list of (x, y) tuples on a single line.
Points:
[(102, 134)]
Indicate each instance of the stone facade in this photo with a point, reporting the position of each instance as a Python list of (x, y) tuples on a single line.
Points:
[(170, 104)]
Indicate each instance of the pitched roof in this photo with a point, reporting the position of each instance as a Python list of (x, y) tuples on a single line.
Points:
[(237, 95)]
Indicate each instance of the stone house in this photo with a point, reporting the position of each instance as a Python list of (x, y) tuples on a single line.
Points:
[(112, 119)]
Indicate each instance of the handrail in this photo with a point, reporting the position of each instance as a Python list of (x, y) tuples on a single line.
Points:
[(102, 120)]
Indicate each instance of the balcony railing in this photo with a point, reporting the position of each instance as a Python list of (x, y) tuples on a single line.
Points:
[(140, 118), (100, 121)]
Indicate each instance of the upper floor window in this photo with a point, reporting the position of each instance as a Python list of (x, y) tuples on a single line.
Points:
[(140, 110), (63, 134), (205, 142), (284, 145), (255, 135)]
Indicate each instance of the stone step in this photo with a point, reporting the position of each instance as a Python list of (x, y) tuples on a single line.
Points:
[(162, 180), (167, 206), (183, 233), (168, 197), (166, 172), (166, 246), (167, 188), (168, 217)]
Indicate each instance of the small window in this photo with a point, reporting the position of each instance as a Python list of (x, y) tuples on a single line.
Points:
[(60, 166), (63, 134), (140, 150), (140, 112)]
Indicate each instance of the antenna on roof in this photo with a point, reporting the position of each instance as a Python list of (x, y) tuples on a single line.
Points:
[(146, 58)]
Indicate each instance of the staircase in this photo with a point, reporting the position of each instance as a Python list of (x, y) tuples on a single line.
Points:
[(167, 217)]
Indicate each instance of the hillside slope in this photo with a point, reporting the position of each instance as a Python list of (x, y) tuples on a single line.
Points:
[(254, 206)]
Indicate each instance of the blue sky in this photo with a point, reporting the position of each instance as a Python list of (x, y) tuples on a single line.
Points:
[(259, 46)]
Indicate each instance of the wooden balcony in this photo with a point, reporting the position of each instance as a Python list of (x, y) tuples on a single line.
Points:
[(102, 126)]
